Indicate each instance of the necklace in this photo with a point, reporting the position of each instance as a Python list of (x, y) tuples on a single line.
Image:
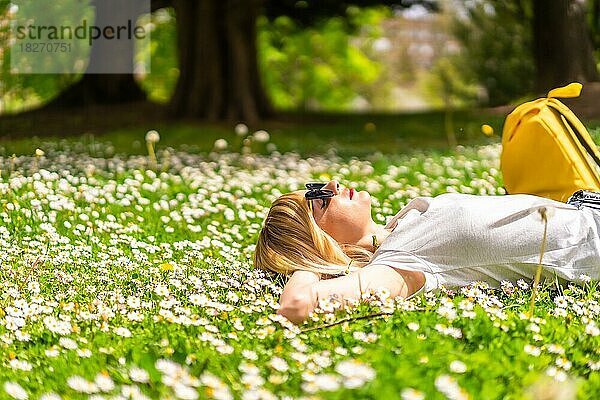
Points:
[(375, 242)]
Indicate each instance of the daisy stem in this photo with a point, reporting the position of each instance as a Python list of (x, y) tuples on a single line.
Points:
[(341, 321), (538, 273), (151, 154)]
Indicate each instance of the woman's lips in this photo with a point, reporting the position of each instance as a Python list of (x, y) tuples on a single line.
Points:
[(351, 193)]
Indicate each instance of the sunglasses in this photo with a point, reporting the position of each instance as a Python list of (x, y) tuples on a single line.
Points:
[(316, 192)]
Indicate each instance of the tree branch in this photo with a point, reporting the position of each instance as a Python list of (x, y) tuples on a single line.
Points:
[(158, 4)]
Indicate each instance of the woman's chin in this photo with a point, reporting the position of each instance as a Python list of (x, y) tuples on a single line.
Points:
[(364, 195)]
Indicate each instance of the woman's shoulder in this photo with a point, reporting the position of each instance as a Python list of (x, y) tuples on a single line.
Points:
[(526, 200), (464, 205)]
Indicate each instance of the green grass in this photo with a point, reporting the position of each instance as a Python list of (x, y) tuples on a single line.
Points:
[(350, 135), (109, 268), (311, 134)]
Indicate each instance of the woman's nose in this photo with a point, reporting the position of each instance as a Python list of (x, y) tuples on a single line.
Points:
[(333, 185)]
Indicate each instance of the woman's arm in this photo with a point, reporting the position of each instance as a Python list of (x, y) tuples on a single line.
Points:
[(299, 297), (301, 293)]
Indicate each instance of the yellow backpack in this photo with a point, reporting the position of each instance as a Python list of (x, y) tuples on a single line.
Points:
[(547, 151)]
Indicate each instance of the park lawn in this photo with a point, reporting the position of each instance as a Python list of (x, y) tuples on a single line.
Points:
[(126, 278), (350, 134)]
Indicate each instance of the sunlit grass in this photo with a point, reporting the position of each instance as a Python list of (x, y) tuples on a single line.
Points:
[(308, 134), (125, 282)]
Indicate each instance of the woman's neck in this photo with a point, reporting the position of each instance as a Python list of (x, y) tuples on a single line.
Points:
[(367, 241)]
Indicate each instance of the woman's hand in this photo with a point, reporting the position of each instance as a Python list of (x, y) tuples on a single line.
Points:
[(299, 296)]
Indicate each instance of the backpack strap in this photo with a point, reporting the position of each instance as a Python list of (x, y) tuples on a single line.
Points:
[(584, 142), (570, 119), (577, 128)]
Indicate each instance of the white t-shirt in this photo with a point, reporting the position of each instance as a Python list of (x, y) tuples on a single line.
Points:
[(455, 239)]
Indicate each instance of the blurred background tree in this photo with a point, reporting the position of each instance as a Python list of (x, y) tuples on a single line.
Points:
[(237, 60), (217, 55), (159, 79), (511, 48), (101, 88), (316, 67), (217, 42), (22, 91), (562, 43), (594, 25), (496, 52)]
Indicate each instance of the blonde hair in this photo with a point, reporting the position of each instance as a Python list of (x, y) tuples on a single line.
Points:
[(290, 240)]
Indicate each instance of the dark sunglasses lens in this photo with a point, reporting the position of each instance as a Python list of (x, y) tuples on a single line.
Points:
[(314, 185), (319, 194)]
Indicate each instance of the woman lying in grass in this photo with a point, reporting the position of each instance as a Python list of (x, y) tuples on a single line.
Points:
[(327, 241)]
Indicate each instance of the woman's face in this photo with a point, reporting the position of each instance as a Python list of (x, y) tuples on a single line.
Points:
[(347, 218)]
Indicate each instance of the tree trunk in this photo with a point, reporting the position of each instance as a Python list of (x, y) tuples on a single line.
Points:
[(562, 44), (95, 89), (109, 75), (595, 22), (219, 77)]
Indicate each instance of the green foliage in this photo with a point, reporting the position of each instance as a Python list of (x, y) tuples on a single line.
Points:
[(497, 50), (593, 20), (21, 91), (317, 67), (160, 82), (446, 86), (311, 12), (302, 68)]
